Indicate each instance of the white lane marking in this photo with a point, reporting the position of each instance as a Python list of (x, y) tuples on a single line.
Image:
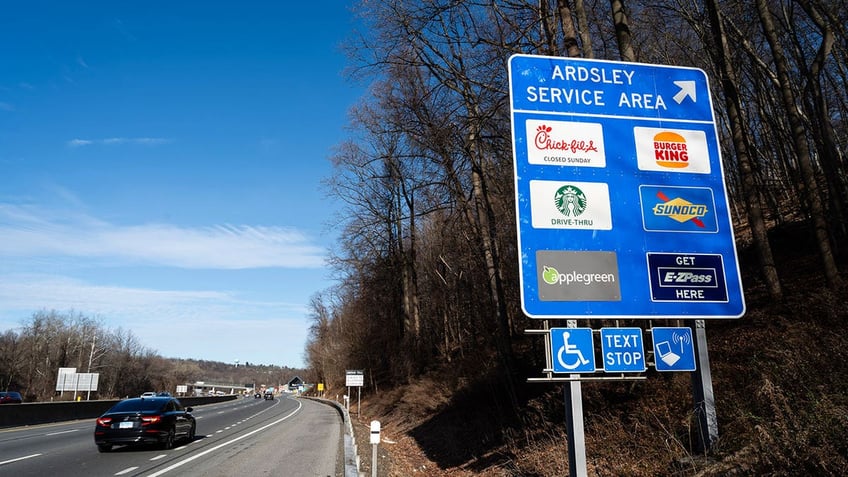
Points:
[(207, 451), (159, 457), (127, 470), (60, 432), (19, 458)]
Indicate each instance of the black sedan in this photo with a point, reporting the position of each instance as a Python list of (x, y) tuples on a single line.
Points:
[(159, 420)]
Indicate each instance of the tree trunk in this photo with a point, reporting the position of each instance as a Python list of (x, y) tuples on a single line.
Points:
[(569, 33), (622, 31), (548, 26), (583, 28), (830, 156), (740, 144), (802, 148)]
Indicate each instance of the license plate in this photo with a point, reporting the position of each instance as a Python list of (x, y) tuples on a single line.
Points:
[(125, 425)]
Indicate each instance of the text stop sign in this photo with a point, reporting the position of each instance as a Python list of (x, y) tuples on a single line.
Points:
[(622, 350)]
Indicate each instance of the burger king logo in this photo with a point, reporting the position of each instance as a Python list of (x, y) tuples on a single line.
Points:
[(670, 150)]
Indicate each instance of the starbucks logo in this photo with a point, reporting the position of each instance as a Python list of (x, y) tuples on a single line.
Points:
[(570, 200)]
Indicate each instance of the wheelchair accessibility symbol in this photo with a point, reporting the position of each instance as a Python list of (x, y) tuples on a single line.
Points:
[(573, 350)]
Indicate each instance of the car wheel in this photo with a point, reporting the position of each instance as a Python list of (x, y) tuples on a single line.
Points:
[(169, 439), (104, 447)]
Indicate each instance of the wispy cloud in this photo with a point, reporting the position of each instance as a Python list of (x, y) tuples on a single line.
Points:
[(34, 232), (62, 293), (113, 141), (54, 244), (122, 29), (6, 107)]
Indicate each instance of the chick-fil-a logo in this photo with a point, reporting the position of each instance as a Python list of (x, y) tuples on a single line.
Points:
[(544, 141), (564, 143)]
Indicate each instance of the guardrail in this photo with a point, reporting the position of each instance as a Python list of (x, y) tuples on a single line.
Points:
[(28, 414), (351, 452)]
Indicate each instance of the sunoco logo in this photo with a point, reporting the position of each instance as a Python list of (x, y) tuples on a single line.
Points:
[(570, 200), (680, 210)]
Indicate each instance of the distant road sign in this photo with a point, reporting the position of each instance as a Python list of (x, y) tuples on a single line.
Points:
[(354, 377), (674, 349), (77, 381), (621, 204), (573, 350), (622, 350)]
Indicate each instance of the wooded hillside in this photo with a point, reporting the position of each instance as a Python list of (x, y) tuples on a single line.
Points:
[(31, 356), (428, 267)]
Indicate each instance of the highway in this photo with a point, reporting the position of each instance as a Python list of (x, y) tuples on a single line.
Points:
[(248, 436)]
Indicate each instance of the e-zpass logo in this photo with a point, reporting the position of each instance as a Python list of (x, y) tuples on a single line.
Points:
[(694, 277)]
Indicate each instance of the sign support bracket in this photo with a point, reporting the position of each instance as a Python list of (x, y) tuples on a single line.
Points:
[(702, 389)]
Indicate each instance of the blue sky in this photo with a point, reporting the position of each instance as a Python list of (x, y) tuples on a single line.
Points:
[(161, 168)]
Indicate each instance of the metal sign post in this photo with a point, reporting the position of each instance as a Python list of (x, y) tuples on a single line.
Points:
[(702, 389), (375, 441), (574, 423), (574, 427)]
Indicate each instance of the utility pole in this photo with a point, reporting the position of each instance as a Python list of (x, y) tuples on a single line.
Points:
[(90, 359)]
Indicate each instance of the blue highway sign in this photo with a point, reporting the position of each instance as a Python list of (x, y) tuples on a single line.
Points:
[(622, 350), (621, 205), (674, 349), (572, 350)]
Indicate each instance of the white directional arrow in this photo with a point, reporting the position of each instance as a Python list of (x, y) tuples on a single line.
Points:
[(687, 88)]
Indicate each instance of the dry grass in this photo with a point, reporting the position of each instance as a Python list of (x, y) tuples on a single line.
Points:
[(780, 380)]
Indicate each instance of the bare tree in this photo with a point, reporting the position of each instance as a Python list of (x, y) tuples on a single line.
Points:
[(729, 81), (622, 30), (801, 146)]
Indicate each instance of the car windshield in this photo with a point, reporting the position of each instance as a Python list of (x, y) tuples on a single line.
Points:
[(138, 405)]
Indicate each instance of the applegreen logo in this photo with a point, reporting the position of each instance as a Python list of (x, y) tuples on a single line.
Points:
[(550, 275)]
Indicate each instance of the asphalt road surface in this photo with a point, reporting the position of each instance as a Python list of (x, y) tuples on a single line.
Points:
[(250, 437)]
